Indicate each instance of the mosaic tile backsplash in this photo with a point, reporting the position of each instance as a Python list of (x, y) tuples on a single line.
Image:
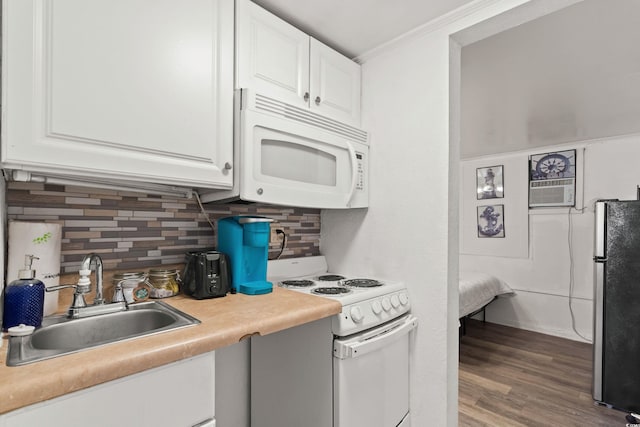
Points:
[(134, 231)]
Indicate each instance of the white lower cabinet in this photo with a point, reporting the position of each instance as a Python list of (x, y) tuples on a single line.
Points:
[(176, 395)]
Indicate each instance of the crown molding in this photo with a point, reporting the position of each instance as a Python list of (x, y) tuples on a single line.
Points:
[(426, 28)]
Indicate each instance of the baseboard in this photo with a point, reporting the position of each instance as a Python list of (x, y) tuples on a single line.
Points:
[(543, 313), (570, 334)]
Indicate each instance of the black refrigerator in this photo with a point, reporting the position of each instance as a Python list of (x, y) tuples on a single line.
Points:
[(616, 333)]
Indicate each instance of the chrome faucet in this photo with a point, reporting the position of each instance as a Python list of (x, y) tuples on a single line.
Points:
[(79, 307), (86, 265)]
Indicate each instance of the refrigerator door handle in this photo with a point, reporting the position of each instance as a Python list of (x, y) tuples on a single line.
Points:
[(600, 258), (600, 211), (598, 325)]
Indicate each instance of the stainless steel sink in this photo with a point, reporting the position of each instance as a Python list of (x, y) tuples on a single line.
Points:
[(60, 335)]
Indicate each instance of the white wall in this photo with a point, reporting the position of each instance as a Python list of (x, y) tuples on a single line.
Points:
[(408, 232), (515, 216), (404, 233), (542, 279)]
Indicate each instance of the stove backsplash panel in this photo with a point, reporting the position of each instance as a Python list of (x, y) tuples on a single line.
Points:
[(134, 231)]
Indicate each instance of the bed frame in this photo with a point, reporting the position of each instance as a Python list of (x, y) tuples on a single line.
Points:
[(463, 320)]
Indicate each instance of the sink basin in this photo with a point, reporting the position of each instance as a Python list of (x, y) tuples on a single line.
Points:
[(60, 335)]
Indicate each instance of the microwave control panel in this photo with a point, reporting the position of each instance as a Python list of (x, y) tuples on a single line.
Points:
[(360, 172)]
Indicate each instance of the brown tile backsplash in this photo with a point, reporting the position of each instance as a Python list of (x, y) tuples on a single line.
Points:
[(130, 230)]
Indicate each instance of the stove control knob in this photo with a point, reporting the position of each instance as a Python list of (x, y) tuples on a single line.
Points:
[(376, 307), (404, 299), (386, 304), (356, 314), (395, 301)]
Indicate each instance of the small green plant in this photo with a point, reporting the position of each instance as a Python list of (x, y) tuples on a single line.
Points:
[(42, 239)]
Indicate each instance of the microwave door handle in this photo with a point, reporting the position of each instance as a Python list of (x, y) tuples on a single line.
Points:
[(354, 171)]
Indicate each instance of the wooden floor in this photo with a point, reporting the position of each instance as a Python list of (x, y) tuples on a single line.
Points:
[(512, 377)]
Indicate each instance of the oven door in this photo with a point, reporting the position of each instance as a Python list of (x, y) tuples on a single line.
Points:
[(287, 162), (371, 376)]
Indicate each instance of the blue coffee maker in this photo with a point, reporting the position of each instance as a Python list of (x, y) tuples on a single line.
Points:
[(245, 240)]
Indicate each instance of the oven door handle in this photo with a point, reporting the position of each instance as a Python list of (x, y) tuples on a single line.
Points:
[(374, 340)]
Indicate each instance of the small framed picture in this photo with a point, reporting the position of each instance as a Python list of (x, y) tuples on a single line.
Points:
[(491, 221), (489, 182)]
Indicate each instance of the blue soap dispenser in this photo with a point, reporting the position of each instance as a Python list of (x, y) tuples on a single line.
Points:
[(24, 298)]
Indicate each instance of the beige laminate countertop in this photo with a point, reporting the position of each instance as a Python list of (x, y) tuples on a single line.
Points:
[(225, 321)]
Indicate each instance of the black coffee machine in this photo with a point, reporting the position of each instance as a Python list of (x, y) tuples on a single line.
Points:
[(207, 274)]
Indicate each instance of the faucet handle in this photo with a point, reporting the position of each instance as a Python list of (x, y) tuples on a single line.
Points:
[(118, 294), (59, 287), (78, 297)]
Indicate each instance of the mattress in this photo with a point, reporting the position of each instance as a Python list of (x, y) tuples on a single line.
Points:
[(479, 289)]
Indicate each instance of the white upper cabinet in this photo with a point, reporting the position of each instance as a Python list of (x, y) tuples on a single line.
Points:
[(335, 84), (272, 55), (136, 90), (277, 60)]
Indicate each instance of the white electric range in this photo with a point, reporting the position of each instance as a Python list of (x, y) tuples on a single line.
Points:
[(366, 302), (318, 367)]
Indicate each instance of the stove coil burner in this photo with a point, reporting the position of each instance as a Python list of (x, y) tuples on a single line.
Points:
[(330, 277), (296, 283), (362, 283), (330, 290)]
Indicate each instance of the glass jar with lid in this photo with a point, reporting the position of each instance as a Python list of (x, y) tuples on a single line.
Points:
[(164, 282)]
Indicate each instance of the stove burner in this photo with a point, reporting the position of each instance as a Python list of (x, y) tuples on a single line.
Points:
[(330, 290), (362, 283), (330, 277), (296, 283)]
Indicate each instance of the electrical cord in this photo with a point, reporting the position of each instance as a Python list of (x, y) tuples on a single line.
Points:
[(571, 275), (278, 231), (282, 245), (203, 211)]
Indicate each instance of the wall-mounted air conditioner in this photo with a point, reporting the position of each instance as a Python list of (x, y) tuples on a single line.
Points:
[(552, 179)]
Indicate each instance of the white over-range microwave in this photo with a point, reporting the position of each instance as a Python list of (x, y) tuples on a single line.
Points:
[(291, 156)]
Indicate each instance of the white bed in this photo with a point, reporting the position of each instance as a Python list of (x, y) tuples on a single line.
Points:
[(479, 289)]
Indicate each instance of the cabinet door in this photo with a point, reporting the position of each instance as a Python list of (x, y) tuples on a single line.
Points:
[(272, 55), (180, 394), (335, 84), (127, 89)]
